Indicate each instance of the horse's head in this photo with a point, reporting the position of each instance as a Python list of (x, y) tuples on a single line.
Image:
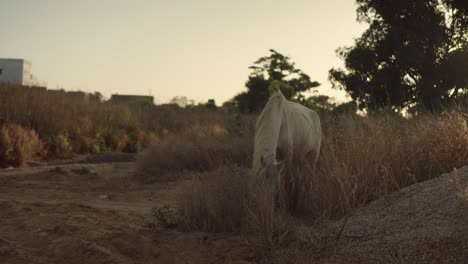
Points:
[(271, 173)]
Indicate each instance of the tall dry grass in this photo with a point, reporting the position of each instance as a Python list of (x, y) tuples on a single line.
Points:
[(214, 201), (362, 158), (75, 123), (199, 148), (18, 145), (193, 154), (227, 199)]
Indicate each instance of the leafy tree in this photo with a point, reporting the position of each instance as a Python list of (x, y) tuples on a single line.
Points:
[(319, 103), (273, 71), (210, 104), (413, 53), (324, 104), (182, 101), (346, 108)]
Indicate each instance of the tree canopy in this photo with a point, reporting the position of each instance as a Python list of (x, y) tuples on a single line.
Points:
[(269, 72), (414, 53)]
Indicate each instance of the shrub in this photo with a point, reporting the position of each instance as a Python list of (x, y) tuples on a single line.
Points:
[(116, 139), (164, 216), (18, 145), (229, 200), (214, 201), (363, 158), (192, 152), (59, 146)]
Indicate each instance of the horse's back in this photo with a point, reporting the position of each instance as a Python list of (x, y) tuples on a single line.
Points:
[(304, 125)]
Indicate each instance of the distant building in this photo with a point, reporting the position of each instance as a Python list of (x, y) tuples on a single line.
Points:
[(15, 71), (126, 99), (75, 96)]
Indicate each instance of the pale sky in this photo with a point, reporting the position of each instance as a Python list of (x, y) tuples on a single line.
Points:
[(199, 49)]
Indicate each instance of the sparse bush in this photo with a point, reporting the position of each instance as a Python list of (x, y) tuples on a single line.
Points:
[(214, 201), (164, 216), (228, 200), (18, 145), (81, 171), (116, 139), (59, 146), (192, 153), (363, 158), (268, 222)]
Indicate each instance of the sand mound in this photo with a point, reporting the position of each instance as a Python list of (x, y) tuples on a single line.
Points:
[(423, 223)]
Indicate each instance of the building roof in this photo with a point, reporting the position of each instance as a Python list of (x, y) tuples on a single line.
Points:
[(127, 98), (11, 59)]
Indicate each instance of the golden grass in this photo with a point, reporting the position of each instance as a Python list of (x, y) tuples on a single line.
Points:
[(214, 201), (18, 145), (68, 124), (194, 153), (362, 158), (227, 200), (197, 148)]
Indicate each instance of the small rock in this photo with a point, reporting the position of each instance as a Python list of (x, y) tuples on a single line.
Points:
[(104, 197), (5, 251), (58, 170)]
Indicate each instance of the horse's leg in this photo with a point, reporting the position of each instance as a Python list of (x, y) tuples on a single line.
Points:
[(288, 193), (311, 158), (315, 155)]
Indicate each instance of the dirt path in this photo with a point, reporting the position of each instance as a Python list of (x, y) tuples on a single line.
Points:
[(94, 213), (105, 186)]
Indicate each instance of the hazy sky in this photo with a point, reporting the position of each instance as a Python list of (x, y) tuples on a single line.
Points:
[(200, 49)]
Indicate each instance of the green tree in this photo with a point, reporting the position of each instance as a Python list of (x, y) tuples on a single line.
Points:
[(319, 103), (273, 71), (413, 53), (210, 104), (182, 101)]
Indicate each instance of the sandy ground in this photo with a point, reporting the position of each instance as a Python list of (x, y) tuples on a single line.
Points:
[(53, 215), (50, 214)]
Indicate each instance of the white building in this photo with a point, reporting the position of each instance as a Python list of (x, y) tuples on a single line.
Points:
[(15, 71)]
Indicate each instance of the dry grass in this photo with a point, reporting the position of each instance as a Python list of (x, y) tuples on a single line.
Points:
[(365, 158), (198, 148), (269, 224), (195, 153), (69, 124), (227, 200), (214, 201), (18, 145), (362, 158)]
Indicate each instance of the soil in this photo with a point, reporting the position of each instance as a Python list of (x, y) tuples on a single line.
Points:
[(95, 213)]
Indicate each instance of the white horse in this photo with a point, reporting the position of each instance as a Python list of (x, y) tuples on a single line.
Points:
[(289, 129)]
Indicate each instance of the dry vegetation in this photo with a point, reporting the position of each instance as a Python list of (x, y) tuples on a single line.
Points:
[(198, 148), (18, 145), (66, 124), (362, 158)]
